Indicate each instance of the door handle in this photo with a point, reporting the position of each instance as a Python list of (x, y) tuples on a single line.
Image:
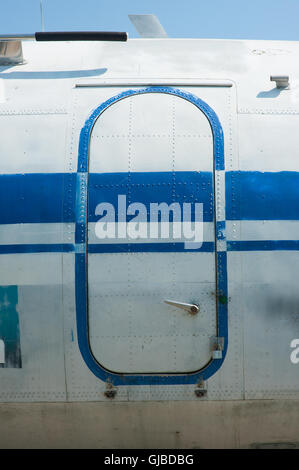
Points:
[(190, 308)]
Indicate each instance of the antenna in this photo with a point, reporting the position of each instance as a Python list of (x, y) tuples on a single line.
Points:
[(42, 16)]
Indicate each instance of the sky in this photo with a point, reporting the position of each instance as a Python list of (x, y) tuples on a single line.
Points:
[(226, 19)]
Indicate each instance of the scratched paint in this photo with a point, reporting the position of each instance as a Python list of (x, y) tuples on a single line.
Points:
[(10, 328)]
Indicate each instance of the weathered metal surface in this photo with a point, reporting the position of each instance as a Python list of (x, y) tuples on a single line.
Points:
[(161, 425), (41, 120)]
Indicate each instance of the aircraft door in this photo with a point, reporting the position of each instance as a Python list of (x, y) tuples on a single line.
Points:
[(151, 263)]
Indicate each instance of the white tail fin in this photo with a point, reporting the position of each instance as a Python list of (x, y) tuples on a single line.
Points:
[(148, 26)]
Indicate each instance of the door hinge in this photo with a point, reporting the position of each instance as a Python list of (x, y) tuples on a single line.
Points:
[(110, 391), (217, 346), (201, 389)]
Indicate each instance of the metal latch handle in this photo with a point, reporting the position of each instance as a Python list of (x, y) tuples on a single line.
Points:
[(190, 308)]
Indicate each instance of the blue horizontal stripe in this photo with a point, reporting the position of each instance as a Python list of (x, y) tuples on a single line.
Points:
[(37, 248), (207, 247), (152, 187), (253, 195), (263, 245), (50, 197), (146, 247), (36, 198)]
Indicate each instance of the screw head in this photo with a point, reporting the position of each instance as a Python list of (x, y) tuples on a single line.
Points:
[(194, 309)]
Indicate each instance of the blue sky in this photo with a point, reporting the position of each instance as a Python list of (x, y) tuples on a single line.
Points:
[(252, 19)]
